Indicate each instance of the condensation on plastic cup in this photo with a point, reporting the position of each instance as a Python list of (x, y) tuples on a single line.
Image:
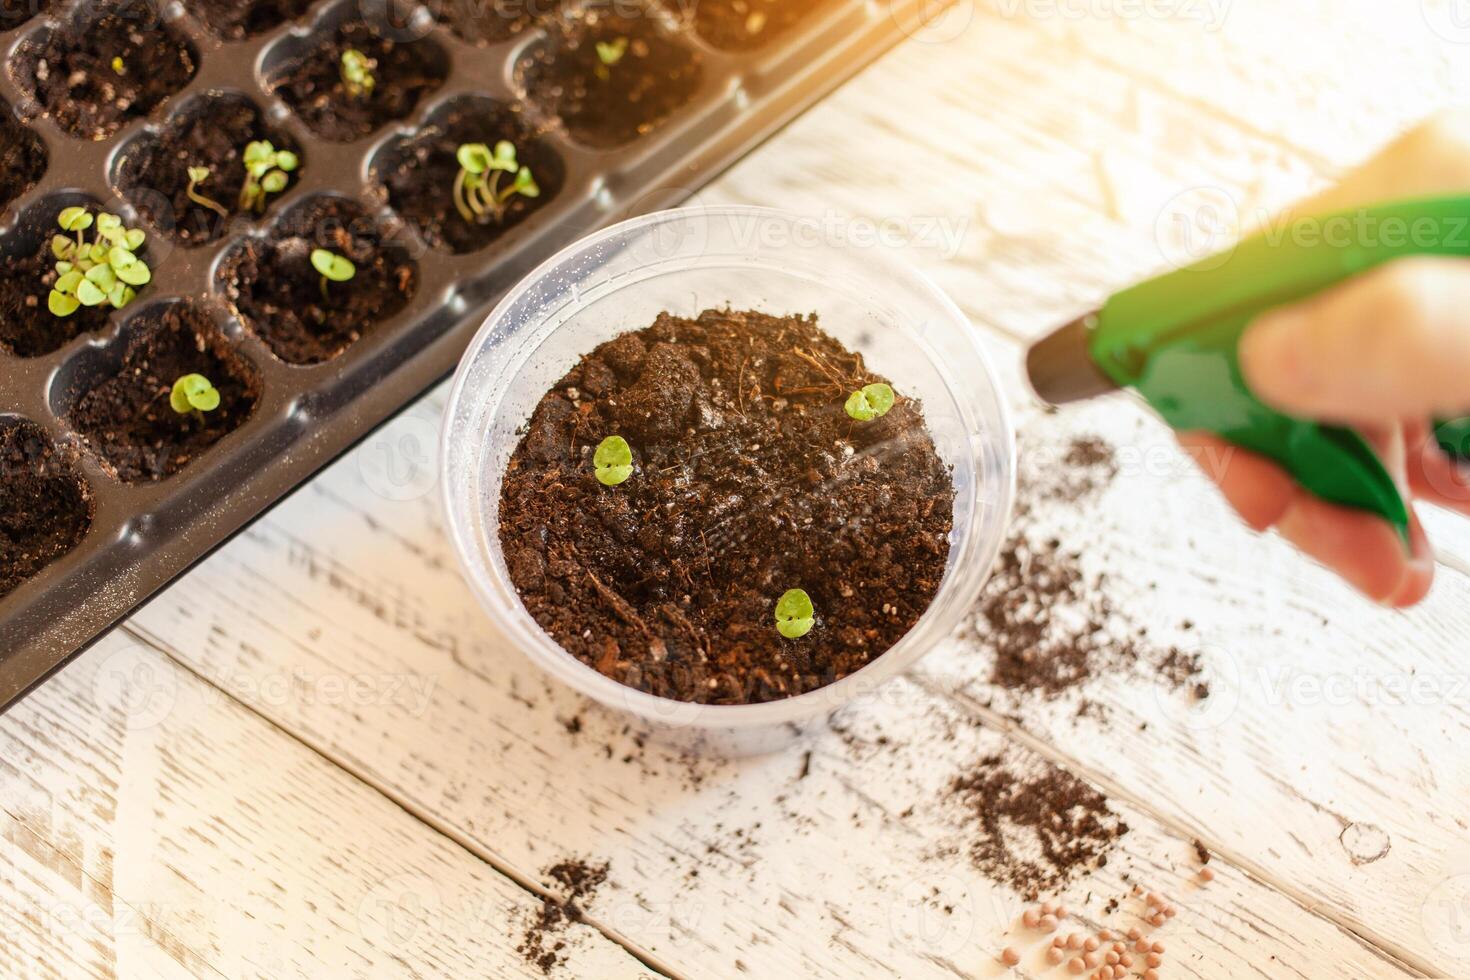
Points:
[(685, 261)]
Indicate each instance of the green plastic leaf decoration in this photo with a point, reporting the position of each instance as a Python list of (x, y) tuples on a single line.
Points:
[(613, 461), (795, 615), (870, 402)]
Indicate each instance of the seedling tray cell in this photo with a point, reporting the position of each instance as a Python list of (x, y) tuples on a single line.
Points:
[(105, 104)]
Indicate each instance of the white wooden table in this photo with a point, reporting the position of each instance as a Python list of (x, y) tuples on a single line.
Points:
[(310, 758)]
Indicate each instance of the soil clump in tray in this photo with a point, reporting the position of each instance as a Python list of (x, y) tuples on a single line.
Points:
[(45, 508)]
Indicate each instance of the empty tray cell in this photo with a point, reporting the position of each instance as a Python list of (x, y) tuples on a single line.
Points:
[(106, 64), (22, 157), (741, 25), (484, 22), (45, 505), (609, 78), (236, 20), (28, 328), (420, 175), (211, 132), (345, 81), (121, 401), (14, 13), (304, 317)]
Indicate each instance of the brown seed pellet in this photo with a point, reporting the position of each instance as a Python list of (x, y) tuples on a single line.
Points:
[(1150, 975), (1090, 943), (1075, 965), (1074, 941), (1049, 923), (1125, 960), (1135, 934), (1110, 958), (1206, 874), (1010, 956), (1154, 959), (1031, 918), (1091, 960), (1157, 947), (1055, 955)]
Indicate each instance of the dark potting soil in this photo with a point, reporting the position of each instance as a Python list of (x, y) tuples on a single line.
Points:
[(741, 25), (1035, 827), (70, 70), (313, 86), (45, 507), (606, 105), (126, 418), (22, 157), (14, 13), (482, 22), (544, 941), (235, 20), (750, 479), (27, 327), (153, 172), (418, 174), (275, 289)]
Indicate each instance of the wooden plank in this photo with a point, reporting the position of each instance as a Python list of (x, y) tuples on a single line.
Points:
[(154, 827)]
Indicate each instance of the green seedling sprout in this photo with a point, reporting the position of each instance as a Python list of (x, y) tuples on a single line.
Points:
[(477, 191), (609, 53), (870, 402), (613, 461), (267, 172), (102, 272), (197, 176), (193, 394), (357, 73), (333, 267), (795, 615)]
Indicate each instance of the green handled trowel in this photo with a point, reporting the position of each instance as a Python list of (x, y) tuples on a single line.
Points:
[(1174, 340)]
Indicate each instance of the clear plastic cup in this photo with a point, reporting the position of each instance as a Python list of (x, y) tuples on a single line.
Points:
[(686, 261)]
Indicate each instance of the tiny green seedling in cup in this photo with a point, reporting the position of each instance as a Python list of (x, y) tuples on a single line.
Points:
[(870, 402), (795, 614), (613, 461), (333, 268), (197, 176), (478, 195), (357, 73), (192, 394), (267, 171), (609, 53), (102, 272)]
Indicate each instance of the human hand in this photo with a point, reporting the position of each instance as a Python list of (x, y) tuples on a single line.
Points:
[(1383, 353)]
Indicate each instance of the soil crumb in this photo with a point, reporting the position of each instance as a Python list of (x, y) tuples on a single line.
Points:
[(1035, 827), (543, 945), (1049, 624)]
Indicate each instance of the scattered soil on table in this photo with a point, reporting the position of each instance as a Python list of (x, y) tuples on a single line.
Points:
[(275, 289), (70, 70), (742, 25), (235, 20), (126, 418), (14, 13), (608, 105), (213, 132), (27, 327), (313, 87), (544, 942), (484, 22), (417, 175), (1050, 625), (1037, 827), (45, 507), (750, 480)]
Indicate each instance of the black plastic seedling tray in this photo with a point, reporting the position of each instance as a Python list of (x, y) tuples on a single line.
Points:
[(144, 534)]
